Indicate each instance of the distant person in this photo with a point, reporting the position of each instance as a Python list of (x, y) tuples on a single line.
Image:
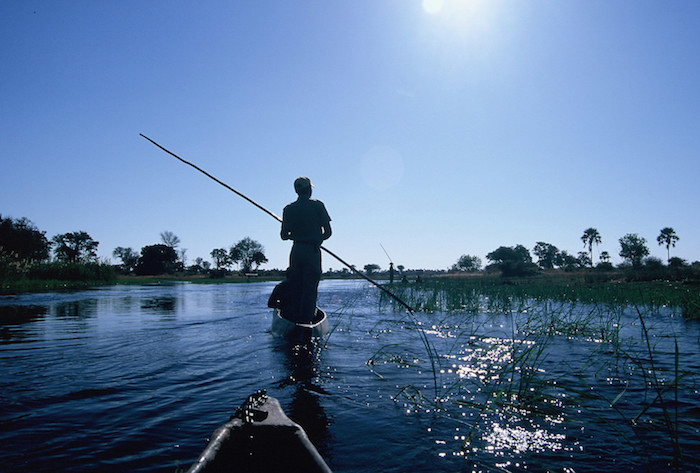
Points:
[(307, 223), (391, 273)]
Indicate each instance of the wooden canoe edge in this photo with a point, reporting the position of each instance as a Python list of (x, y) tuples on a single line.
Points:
[(273, 444)]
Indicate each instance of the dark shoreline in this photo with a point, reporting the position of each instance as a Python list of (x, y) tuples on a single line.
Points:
[(683, 292)]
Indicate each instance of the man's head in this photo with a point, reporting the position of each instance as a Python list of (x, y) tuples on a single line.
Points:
[(302, 186)]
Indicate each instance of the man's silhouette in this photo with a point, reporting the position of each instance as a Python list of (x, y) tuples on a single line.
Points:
[(306, 222)]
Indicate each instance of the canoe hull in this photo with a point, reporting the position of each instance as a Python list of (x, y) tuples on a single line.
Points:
[(287, 329), (272, 443)]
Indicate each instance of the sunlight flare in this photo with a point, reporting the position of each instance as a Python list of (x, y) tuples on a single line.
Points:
[(433, 6)]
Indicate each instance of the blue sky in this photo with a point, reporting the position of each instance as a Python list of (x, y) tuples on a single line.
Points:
[(432, 128)]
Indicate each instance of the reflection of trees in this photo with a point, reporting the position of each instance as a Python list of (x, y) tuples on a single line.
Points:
[(77, 309), (12, 316), (160, 304)]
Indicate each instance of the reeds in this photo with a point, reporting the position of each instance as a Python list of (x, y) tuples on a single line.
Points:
[(443, 294), (500, 350)]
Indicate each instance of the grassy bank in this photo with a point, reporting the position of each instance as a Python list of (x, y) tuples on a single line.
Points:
[(165, 278), (450, 294), (45, 285), (41, 277)]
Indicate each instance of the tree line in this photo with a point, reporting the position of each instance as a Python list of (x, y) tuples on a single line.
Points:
[(27, 253), (166, 258), (518, 261)]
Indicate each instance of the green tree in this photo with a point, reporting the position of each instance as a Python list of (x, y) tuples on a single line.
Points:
[(156, 259), (128, 256), (20, 240), (75, 247), (467, 263), (258, 259), (633, 248), (669, 238), (235, 255), (371, 268), (604, 257), (199, 267), (170, 239), (248, 248), (566, 261), (546, 254), (589, 238), (584, 260), (182, 254), (221, 258), (512, 261)]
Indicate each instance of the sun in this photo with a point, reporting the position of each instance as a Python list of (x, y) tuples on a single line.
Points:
[(433, 6)]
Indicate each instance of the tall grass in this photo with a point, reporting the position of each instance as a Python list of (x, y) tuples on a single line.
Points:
[(24, 277), (510, 374), (462, 294)]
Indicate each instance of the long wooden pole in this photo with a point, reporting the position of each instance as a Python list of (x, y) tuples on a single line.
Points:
[(276, 217)]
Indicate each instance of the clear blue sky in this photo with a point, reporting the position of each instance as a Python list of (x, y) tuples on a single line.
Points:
[(433, 128)]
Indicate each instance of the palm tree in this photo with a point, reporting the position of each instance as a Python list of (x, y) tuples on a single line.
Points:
[(589, 237), (669, 238)]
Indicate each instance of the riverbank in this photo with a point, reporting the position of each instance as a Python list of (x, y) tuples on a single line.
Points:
[(448, 292), (460, 293)]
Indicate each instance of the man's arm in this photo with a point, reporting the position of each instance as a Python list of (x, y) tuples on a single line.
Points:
[(285, 233), (327, 231)]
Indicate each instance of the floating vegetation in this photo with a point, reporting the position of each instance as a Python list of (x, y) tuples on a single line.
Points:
[(531, 368)]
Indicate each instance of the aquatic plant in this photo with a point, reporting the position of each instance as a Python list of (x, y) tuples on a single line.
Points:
[(465, 294), (511, 378)]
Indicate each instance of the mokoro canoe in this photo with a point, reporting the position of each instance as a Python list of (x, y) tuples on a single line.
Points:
[(260, 438), (284, 328)]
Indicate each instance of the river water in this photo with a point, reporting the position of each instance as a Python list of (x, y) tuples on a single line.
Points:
[(136, 378)]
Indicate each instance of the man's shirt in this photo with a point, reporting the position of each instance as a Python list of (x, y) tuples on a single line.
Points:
[(303, 219)]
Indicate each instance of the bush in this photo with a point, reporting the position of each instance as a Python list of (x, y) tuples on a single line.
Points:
[(217, 273), (63, 271), (605, 267), (678, 263), (156, 259)]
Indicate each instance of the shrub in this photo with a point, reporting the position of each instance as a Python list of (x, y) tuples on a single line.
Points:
[(64, 271)]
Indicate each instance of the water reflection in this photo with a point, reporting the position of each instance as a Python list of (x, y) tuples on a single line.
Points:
[(161, 304), (301, 364), (75, 309), (12, 317)]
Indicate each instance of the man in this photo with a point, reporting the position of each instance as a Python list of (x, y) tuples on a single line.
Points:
[(306, 222)]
